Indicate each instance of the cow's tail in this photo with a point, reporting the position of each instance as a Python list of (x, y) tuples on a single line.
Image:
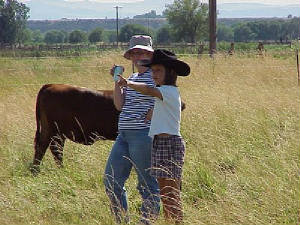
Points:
[(38, 117)]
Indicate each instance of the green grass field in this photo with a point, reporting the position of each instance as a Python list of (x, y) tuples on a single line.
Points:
[(241, 127)]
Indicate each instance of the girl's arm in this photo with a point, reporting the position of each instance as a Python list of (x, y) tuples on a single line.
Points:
[(141, 87), (118, 97)]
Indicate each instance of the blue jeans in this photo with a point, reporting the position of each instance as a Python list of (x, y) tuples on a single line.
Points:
[(132, 148)]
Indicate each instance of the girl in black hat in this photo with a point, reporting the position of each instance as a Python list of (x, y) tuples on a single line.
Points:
[(167, 155)]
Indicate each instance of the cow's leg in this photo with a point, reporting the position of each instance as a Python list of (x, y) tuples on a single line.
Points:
[(57, 147), (42, 141)]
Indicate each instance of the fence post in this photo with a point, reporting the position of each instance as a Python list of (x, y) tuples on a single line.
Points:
[(231, 49), (260, 48), (200, 50), (298, 69)]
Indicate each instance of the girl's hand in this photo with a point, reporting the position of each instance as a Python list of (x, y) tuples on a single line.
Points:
[(112, 69), (122, 82), (148, 115)]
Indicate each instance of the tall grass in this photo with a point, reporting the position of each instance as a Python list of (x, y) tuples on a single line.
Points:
[(241, 127)]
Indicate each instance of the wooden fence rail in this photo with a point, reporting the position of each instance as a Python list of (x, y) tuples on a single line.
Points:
[(112, 46)]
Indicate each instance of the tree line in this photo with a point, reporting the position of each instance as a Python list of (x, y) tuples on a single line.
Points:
[(280, 30), (187, 21), (90, 24)]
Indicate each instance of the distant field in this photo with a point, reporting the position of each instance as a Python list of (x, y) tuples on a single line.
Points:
[(241, 126)]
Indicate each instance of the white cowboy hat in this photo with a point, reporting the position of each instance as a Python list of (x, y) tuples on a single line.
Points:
[(139, 42)]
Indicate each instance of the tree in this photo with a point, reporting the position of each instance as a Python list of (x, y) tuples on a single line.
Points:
[(291, 28), (112, 37), (243, 33), (164, 35), (272, 32), (224, 33), (13, 17), (188, 19), (129, 30), (26, 36), (66, 36), (77, 36), (96, 35), (109, 36), (54, 37), (36, 36)]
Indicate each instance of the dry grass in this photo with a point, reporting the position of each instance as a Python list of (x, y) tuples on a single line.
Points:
[(241, 126)]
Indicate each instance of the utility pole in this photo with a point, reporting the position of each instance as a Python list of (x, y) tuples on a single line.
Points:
[(212, 26), (117, 22)]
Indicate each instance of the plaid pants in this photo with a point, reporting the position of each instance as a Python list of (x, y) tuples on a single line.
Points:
[(167, 157)]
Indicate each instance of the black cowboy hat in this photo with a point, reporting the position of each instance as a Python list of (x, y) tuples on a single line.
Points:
[(168, 59)]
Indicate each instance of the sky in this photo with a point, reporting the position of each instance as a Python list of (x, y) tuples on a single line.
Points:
[(55, 9), (271, 2)]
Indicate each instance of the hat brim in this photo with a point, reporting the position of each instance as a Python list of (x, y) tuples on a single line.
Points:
[(180, 67), (146, 48)]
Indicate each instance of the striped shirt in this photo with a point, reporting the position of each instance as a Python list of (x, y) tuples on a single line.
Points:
[(136, 105)]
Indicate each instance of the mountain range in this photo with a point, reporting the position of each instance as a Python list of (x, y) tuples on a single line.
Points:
[(57, 9), (248, 10)]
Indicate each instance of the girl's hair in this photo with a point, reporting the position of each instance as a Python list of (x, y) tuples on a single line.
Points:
[(170, 76)]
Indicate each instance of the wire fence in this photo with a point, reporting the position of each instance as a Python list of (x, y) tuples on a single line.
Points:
[(73, 50), (11, 69), (290, 53)]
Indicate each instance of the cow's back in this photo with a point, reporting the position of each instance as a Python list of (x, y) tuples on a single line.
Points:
[(79, 114)]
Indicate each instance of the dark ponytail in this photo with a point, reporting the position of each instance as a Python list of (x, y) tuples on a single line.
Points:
[(170, 77)]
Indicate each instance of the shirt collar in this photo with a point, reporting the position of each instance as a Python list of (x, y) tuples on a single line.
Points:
[(147, 71)]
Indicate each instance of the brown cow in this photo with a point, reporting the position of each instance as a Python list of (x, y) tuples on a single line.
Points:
[(79, 114)]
